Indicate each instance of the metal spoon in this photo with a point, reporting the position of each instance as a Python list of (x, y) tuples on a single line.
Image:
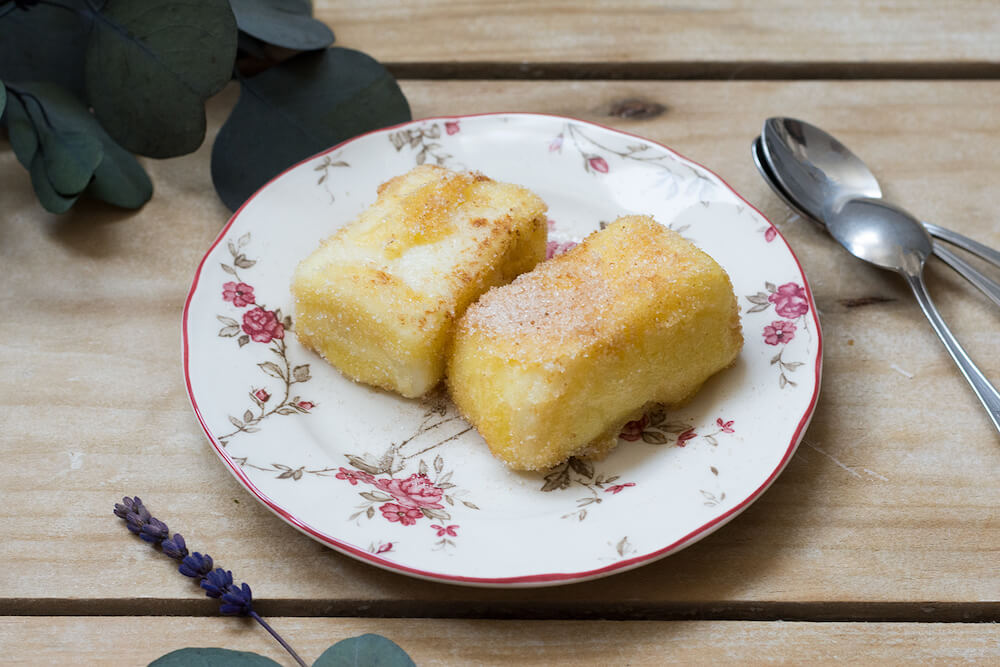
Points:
[(891, 238), (808, 168), (798, 152)]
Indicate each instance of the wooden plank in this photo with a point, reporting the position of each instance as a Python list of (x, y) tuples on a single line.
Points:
[(732, 37), (115, 641), (892, 499)]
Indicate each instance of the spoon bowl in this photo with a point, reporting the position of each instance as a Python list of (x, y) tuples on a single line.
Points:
[(814, 168), (764, 168), (881, 234)]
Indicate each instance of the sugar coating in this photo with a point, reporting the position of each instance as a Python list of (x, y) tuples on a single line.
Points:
[(380, 297), (555, 363)]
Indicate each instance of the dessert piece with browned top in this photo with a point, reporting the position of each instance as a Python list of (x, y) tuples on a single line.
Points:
[(555, 363), (379, 298)]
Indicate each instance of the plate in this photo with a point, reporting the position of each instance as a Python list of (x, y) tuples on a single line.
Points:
[(407, 485)]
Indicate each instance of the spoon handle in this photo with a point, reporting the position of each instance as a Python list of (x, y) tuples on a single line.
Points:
[(986, 392), (987, 286), (975, 247)]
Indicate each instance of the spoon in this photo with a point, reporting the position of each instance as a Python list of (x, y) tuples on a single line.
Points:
[(794, 149), (890, 238), (811, 167)]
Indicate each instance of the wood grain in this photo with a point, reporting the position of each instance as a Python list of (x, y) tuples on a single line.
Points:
[(116, 641), (651, 38), (892, 498)]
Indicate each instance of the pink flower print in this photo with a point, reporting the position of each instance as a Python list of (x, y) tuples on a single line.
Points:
[(556, 248), (556, 144), (354, 476), (240, 294), (406, 516), (789, 301), (415, 491), (770, 234), (550, 223), (683, 438), (598, 164), (618, 488), (445, 530), (262, 395), (262, 325), (779, 331), (451, 127), (383, 548), (725, 427), (306, 405), (632, 431)]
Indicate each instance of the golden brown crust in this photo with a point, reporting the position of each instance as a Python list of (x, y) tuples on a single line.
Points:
[(380, 296), (553, 364)]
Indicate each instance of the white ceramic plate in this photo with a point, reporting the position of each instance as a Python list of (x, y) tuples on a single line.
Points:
[(407, 485)]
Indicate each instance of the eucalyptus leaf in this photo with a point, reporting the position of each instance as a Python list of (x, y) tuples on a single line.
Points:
[(286, 23), (296, 109), (368, 650), (45, 43), (150, 66), (23, 139), (70, 157), (68, 154), (48, 196), (118, 179), (212, 657)]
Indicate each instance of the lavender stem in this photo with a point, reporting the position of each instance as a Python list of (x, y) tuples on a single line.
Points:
[(281, 641)]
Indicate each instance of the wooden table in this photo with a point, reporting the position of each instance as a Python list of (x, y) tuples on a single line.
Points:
[(880, 541)]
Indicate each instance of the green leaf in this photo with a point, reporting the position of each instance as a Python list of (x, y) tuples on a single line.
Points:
[(24, 140), (46, 44), (69, 154), (368, 650), (21, 130), (48, 196), (285, 23), (150, 66), (296, 109), (70, 158), (118, 179), (212, 657)]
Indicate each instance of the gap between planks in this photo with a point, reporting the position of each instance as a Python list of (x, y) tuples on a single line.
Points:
[(821, 611), (707, 71)]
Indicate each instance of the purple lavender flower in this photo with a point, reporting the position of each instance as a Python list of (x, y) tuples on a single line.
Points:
[(216, 582), (237, 601), (154, 531), (125, 506), (175, 548), (196, 566), (134, 512)]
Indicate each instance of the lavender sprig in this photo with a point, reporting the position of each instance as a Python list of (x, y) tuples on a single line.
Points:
[(235, 600)]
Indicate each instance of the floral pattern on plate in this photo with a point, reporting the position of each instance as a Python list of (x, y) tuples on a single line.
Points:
[(409, 485), (262, 326), (791, 303)]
